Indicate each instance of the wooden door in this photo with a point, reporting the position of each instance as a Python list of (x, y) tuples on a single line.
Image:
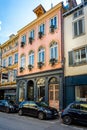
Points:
[(54, 95)]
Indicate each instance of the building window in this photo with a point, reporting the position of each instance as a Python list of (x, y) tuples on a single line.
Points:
[(23, 40), (4, 63), (78, 57), (41, 30), (16, 44), (81, 93), (23, 61), (53, 23), (78, 23), (14, 74), (54, 51), (10, 61), (31, 58), (41, 55), (78, 27), (22, 91), (31, 36), (16, 58), (78, 13)]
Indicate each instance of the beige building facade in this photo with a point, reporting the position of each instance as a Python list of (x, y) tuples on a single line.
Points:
[(75, 52)]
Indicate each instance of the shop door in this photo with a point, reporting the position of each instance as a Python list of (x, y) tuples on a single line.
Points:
[(41, 93), (54, 95)]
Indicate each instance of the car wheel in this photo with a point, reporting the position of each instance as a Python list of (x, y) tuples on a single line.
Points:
[(7, 110), (20, 112), (67, 120), (41, 115)]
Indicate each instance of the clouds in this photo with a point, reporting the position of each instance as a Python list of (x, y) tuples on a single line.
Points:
[(0, 25)]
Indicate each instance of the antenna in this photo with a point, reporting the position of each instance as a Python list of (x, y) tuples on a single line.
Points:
[(51, 4)]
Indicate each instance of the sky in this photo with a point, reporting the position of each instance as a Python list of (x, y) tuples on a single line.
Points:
[(15, 14)]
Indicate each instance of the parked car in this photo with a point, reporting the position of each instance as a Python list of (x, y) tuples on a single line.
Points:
[(8, 106), (37, 109), (75, 112)]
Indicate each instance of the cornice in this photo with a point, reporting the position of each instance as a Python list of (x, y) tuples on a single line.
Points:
[(58, 6)]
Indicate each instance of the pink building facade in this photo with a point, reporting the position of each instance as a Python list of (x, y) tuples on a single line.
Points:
[(40, 55)]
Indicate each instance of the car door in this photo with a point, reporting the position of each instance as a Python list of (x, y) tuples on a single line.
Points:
[(1, 106), (75, 112), (33, 108), (83, 110), (25, 108)]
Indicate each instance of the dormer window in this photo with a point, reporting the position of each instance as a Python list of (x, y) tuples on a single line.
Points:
[(41, 30), (78, 13), (78, 23), (53, 24)]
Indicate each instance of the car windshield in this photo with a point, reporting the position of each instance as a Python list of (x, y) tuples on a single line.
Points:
[(11, 102), (43, 104)]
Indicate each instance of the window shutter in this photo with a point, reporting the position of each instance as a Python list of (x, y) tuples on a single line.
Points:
[(86, 53), (70, 58), (55, 22)]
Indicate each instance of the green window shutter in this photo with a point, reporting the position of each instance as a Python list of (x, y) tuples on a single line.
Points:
[(86, 53), (70, 58)]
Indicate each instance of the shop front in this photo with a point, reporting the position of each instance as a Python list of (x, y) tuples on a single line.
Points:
[(75, 89), (8, 93), (44, 86)]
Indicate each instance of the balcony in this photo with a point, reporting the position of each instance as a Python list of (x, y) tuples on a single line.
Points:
[(30, 67), (52, 27), (30, 40), (40, 64), (40, 34), (22, 44), (52, 61), (21, 69)]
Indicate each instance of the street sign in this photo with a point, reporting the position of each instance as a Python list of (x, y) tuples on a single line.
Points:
[(4, 75)]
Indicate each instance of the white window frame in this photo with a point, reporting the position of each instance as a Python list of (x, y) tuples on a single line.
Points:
[(23, 38), (79, 59), (4, 62), (32, 33), (78, 30), (9, 60), (16, 58), (41, 28), (41, 58), (55, 26), (31, 58), (52, 48), (23, 61)]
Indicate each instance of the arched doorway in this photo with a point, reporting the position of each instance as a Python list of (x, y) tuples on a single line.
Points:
[(54, 93), (30, 90), (22, 86), (41, 89)]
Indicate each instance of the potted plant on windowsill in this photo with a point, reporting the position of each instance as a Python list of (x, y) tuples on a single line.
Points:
[(40, 64), (52, 61), (30, 40), (52, 27), (21, 69), (30, 67), (40, 34), (22, 44)]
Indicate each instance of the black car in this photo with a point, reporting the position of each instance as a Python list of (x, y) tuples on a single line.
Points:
[(8, 106), (75, 112), (37, 109)]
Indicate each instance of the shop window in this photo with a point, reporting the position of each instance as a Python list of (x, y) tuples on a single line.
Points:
[(21, 91), (81, 93)]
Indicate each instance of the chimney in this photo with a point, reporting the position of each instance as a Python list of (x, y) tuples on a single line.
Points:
[(72, 3), (12, 35)]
